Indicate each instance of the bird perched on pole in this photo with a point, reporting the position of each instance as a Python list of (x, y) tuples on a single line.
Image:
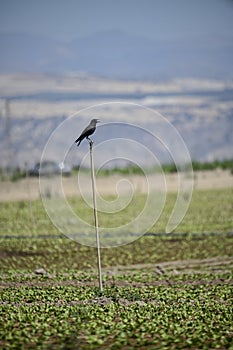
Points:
[(89, 130)]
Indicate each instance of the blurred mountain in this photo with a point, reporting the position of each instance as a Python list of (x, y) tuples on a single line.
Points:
[(32, 106), (115, 54)]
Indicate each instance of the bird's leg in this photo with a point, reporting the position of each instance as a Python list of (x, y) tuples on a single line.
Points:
[(90, 140)]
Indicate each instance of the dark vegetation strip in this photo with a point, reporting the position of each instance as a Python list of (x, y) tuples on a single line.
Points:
[(122, 283), (198, 235), (226, 164)]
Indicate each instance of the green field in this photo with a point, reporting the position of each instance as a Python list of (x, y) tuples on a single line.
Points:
[(160, 292)]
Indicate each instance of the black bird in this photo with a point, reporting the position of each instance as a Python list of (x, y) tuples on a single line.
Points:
[(89, 130)]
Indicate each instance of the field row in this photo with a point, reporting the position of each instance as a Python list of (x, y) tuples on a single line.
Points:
[(177, 315), (209, 211), (161, 291)]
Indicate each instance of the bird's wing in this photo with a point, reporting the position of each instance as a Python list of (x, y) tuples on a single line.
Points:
[(86, 132)]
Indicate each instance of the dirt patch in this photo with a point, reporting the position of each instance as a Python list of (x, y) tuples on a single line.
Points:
[(178, 266), (29, 188), (169, 270), (116, 283)]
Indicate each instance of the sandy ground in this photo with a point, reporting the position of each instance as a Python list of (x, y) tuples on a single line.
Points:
[(113, 185)]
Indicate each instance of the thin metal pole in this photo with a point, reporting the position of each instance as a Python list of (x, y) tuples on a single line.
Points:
[(96, 217)]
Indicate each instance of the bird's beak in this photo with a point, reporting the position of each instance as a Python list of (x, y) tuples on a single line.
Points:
[(98, 121)]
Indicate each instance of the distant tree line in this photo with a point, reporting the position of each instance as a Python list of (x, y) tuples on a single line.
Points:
[(227, 164), (170, 168)]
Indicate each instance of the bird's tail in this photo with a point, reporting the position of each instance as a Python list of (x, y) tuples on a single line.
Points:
[(78, 141)]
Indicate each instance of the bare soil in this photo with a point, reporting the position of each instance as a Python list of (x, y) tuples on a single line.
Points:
[(168, 269), (29, 189), (213, 266)]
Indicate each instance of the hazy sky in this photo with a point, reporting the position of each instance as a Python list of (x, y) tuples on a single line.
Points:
[(68, 19)]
